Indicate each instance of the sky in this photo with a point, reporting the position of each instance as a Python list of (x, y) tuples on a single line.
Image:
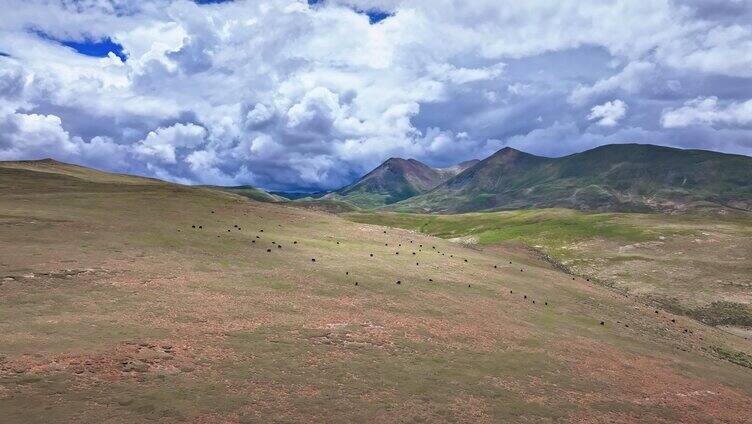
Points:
[(309, 95)]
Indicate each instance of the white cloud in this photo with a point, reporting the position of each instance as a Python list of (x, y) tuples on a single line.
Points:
[(35, 136), (629, 80), (277, 93), (448, 72), (259, 115), (162, 143), (316, 111), (707, 111), (609, 113)]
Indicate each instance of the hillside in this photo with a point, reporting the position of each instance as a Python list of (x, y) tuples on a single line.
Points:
[(54, 167), (620, 177), (130, 302), (250, 192), (394, 180), (694, 265)]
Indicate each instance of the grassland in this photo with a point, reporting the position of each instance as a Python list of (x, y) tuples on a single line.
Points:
[(113, 309), (694, 265), (250, 192), (549, 227)]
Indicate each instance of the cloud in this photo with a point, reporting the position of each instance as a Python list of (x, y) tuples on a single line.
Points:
[(447, 72), (561, 138), (707, 111), (629, 80), (12, 82), (287, 95), (258, 116), (609, 113), (163, 143), (35, 136), (316, 111)]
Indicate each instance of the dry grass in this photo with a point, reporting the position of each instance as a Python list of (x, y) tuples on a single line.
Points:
[(114, 309)]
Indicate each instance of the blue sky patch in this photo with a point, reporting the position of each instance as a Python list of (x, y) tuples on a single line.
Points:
[(97, 48), (375, 15), (88, 47)]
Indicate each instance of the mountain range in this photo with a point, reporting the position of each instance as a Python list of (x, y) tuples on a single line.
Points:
[(617, 177)]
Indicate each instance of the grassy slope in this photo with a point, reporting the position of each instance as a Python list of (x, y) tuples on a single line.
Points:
[(325, 205), (361, 199), (249, 192), (552, 227), (114, 309), (54, 167), (694, 265)]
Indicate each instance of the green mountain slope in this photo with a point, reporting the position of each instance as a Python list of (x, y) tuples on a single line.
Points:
[(394, 180), (623, 177), (250, 192)]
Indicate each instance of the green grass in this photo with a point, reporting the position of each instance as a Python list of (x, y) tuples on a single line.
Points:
[(549, 228), (664, 257), (738, 358), (364, 199), (249, 192), (716, 313), (334, 205)]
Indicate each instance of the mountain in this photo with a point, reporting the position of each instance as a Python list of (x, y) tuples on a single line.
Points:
[(394, 180), (619, 177)]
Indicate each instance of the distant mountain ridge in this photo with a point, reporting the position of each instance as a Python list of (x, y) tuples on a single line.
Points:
[(617, 177), (394, 180)]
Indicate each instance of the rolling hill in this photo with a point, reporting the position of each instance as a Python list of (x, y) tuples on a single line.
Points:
[(696, 265), (394, 180), (619, 177), (250, 192), (124, 299)]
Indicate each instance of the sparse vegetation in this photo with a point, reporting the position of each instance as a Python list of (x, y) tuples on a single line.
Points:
[(114, 308), (738, 358), (549, 227), (716, 313), (252, 193), (725, 313), (670, 260)]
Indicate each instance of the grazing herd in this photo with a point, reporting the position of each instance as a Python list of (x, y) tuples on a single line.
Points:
[(399, 282)]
